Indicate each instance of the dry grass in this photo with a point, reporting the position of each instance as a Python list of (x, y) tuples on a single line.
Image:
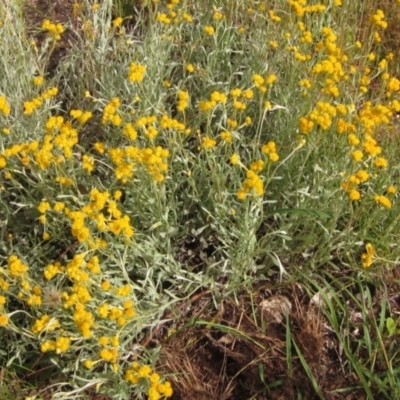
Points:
[(214, 362)]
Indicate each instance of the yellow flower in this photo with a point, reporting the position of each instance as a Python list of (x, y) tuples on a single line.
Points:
[(274, 157), (357, 155), (383, 200), (273, 16), (88, 163), (62, 344), (273, 43), (257, 166), (117, 22), (271, 79), (100, 147), (190, 68), (248, 94), (43, 207), (88, 364), (241, 194), (38, 80), (218, 97), (136, 72), (258, 80), (305, 125), (109, 355), (187, 17), (235, 159), (209, 30), (46, 236), (3, 320), (103, 310), (16, 267), (165, 389), (381, 162), (368, 257), (144, 371), (269, 148), (208, 143), (59, 206), (353, 139), (226, 136), (354, 195), (362, 175), (103, 341)]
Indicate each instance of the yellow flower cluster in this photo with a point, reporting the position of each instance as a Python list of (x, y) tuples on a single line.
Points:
[(125, 160), (163, 18), (60, 345), (109, 220), (129, 131), (46, 323), (270, 150), (378, 19), (83, 276), (173, 124), (252, 181), (55, 30), (261, 82), (16, 267), (300, 7), (321, 116), (208, 142), (52, 270), (110, 114), (371, 117), (32, 105), (146, 124), (136, 72), (81, 116), (226, 136), (215, 99), (273, 16), (16, 276), (137, 373), (330, 73), (183, 100), (187, 17)]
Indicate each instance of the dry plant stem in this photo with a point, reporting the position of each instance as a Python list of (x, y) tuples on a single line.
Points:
[(69, 248)]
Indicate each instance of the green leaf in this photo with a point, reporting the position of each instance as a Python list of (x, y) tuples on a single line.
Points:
[(391, 326)]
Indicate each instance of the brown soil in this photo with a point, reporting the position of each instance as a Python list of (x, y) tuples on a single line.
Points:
[(243, 354)]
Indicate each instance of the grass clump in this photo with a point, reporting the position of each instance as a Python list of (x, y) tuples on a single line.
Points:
[(185, 148)]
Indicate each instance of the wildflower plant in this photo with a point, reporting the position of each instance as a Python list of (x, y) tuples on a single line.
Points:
[(269, 155)]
